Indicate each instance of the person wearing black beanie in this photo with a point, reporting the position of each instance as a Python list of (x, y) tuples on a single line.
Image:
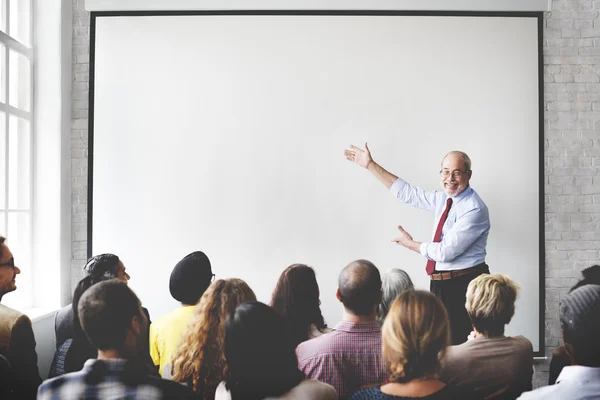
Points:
[(189, 280)]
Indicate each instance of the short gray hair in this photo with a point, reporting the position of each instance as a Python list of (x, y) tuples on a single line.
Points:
[(463, 155), (393, 283)]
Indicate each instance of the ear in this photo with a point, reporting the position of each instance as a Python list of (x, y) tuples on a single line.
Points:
[(469, 174), (136, 325), (338, 295)]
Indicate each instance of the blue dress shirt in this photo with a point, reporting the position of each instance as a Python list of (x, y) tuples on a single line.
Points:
[(465, 233)]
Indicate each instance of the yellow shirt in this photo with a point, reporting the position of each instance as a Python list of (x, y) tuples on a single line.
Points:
[(165, 335)]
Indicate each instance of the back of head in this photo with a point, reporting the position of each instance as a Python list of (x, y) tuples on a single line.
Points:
[(394, 282), (415, 332), (360, 287), (261, 360), (190, 278), (580, 321), (97, 269), (106, 311), (296, 298), (200, 359), (491, 303)]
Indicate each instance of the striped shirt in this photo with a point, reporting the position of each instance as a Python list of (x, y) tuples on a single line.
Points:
[(112, 379), (347, 358)]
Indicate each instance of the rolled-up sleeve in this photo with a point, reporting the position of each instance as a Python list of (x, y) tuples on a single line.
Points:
[(413, 195), (463, 234)]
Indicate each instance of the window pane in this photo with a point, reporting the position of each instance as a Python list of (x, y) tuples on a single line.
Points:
[(2, 72), (2, 223), (3, 16), (2, 166), (19, 163), (20, 16), (18, 240), (19, 80)]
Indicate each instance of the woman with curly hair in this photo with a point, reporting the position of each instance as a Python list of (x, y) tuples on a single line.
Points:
[(415, 334), (200, 361), (296, 299)]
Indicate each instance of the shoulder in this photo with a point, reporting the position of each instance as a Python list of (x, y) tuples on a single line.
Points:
[(60, 381), (175, 390), (371, 393), (9, 316), (222, 393), (474, 201), (316, 389), (318, 347)]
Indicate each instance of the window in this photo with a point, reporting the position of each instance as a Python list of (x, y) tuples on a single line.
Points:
[(16, 140)]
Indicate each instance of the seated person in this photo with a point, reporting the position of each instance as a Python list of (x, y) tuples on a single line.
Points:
[(112, 318), (189, 279), (560, 357), (579, 315), (490, 365), (97, 269), (296, 299), (393, 283), (17, 342), (349, 357), (415, 333), (200, 359), (261, 360)]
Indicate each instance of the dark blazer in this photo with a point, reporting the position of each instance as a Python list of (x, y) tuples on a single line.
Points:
[(17, 344)]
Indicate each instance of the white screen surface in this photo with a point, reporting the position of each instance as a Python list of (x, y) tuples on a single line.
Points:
[(225, 134)]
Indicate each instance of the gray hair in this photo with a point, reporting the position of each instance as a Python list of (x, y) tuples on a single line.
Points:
[(393, 283), (463, 155)]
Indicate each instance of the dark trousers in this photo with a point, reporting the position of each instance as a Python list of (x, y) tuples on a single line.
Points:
[(453, 293)]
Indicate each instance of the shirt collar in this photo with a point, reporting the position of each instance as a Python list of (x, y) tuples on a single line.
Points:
[(461, 196), (579, 373), (352, 327)]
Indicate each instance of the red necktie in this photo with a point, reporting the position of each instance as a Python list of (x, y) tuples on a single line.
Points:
[(438, 234)]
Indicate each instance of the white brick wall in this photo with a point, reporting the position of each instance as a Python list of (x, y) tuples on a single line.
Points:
[(571, 148)]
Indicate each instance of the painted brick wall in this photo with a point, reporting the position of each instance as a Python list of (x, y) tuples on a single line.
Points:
[(571, 155)]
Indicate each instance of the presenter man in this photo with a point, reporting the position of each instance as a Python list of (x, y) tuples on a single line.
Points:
[(456, 253)]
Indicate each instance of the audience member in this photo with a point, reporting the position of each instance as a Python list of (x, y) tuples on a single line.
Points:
[(189, 279), (580, 321), (490, 365), (560, 357), (349, 357), (200, 360), (415, 333), (393, 283), (17, 343), (112, 318), (97, 269), (261, 360), (296, 298)]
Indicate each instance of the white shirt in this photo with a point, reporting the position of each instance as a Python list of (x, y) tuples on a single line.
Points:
[(465, 232), (306, 390), (574, 383)]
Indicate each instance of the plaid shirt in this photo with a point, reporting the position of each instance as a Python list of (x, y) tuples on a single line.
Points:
[(347, 358), (112, 379)]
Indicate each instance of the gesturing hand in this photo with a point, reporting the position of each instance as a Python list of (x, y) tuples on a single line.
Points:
[(404, 239), (359, 156)]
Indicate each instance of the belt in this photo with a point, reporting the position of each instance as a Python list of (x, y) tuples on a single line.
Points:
[(443, 276)]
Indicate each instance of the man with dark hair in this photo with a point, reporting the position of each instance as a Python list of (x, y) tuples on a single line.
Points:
[(349, 357), (189, 280), (112, 318), (580, 322), (17, 342)]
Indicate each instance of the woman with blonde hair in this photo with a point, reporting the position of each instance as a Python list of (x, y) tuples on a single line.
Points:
[(200, 361), (415, 334), (489, 364)]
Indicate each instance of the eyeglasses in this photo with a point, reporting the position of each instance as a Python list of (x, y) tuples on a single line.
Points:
[(456, 173), (9, 263)]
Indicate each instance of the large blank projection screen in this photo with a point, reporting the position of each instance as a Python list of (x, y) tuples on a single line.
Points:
[(225, 133)]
